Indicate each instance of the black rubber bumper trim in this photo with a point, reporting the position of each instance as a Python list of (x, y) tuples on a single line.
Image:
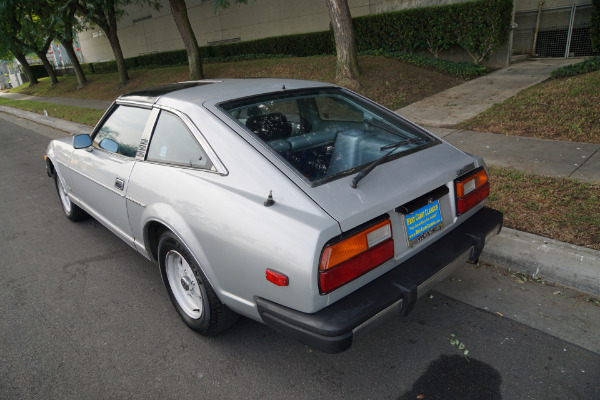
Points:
[(331, 329)]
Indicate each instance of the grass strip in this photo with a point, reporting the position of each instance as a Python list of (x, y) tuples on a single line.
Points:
[(560, 109), (563, 209), (87, 116)]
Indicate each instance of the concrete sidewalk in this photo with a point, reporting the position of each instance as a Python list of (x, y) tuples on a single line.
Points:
[(465, 101)]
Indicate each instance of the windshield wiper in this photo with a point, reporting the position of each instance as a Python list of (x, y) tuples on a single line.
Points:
[(371, 166)]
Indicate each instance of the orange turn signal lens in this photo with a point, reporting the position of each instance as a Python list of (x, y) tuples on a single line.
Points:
[(359, 243), (469, 184), (471, 191)]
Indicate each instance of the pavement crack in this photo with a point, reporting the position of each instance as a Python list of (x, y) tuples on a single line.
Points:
[(579, 166)]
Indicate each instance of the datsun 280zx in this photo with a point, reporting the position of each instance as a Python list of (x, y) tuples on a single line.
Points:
[(299, 204)]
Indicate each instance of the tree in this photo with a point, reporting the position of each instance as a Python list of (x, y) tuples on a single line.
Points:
[(8, 47), (59, 15), (179, 11), (9, 31), (347, 60), (36, 33), (66, 23), (105, 14)]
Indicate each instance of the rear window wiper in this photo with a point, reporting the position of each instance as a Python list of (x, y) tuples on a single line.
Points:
[(371, 166), (384, 127)]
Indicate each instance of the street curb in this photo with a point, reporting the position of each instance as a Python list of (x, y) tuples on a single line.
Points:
[(566, 264), (69, 127)]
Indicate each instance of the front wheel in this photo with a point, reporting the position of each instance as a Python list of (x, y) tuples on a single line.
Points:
[(72, 211), (189, 290)]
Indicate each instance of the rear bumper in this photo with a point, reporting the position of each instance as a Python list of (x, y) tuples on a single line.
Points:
[(333, 329)]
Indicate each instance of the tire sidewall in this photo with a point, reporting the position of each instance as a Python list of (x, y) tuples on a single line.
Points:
[(70, 213), (170, 242)]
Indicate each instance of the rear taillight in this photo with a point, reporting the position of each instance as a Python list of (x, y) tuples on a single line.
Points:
[(350, 258), (471, 190)]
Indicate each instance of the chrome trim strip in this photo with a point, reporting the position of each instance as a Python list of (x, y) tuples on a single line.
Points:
[(135, 201)]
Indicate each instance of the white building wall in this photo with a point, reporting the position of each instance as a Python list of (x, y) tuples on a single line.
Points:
[(145, 30)]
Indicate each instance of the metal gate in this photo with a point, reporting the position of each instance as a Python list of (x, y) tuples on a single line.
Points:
[(556, 32)]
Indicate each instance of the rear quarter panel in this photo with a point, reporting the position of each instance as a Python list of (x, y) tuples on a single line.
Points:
[(222, 219)]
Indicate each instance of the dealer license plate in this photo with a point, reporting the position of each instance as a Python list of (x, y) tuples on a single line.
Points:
[(423, 222)]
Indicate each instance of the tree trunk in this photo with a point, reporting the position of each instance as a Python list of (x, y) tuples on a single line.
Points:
[(179, 11), (347, 61), (113, 39), (68, 45), (42, 55), (26, 68), (48, 67)]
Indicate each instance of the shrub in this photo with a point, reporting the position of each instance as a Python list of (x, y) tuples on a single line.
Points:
[(38, 71), (588, 65), (595, 25), (105, 67), (481, 30), (88, 68)]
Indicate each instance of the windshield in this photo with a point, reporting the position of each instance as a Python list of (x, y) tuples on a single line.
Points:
[(325, 133)]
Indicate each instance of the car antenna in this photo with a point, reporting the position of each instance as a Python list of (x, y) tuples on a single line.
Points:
[(269, 201)]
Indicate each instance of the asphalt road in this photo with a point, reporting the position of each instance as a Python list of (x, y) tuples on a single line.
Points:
[(82, 315)]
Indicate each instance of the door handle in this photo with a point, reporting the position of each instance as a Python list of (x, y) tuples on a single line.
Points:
[(119, 183)]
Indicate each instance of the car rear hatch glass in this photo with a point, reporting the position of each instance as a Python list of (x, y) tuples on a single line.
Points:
[(324, 134)]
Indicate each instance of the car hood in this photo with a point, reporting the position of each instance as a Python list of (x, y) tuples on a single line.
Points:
[(389, 185)]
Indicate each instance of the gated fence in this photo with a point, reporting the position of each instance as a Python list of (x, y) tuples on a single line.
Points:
[(556, 32)]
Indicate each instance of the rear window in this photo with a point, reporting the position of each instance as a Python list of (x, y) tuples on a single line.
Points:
[(325, 133)]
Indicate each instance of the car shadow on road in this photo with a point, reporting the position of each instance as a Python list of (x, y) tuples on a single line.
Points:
[(456, 377)]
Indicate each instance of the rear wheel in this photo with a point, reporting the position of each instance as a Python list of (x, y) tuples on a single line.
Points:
[(189, 290), (72, 211)]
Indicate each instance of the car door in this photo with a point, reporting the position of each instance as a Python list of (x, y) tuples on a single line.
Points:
[(101, 172)]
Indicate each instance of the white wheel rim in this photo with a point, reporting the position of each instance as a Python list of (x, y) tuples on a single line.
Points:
[(62, 193), (183, 284)]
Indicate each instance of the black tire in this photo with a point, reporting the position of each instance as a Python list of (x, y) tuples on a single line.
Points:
[(192, 295), (71, 210)]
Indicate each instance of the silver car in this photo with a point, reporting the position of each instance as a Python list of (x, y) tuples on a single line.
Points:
[(298, 204)]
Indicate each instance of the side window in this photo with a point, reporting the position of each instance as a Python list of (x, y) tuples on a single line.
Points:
[(173, 143), (122, 131)]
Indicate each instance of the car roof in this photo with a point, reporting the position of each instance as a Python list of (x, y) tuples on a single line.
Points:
[(216, 91)]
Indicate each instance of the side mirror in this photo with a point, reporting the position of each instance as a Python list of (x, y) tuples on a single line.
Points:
[(82, 141)]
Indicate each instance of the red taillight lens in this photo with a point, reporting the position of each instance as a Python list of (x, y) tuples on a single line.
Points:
[(346, 260), (471, 190)]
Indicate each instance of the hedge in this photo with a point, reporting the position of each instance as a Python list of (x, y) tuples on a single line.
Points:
[(588, 65), (479, 26), (38, 71), (595, 25)]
